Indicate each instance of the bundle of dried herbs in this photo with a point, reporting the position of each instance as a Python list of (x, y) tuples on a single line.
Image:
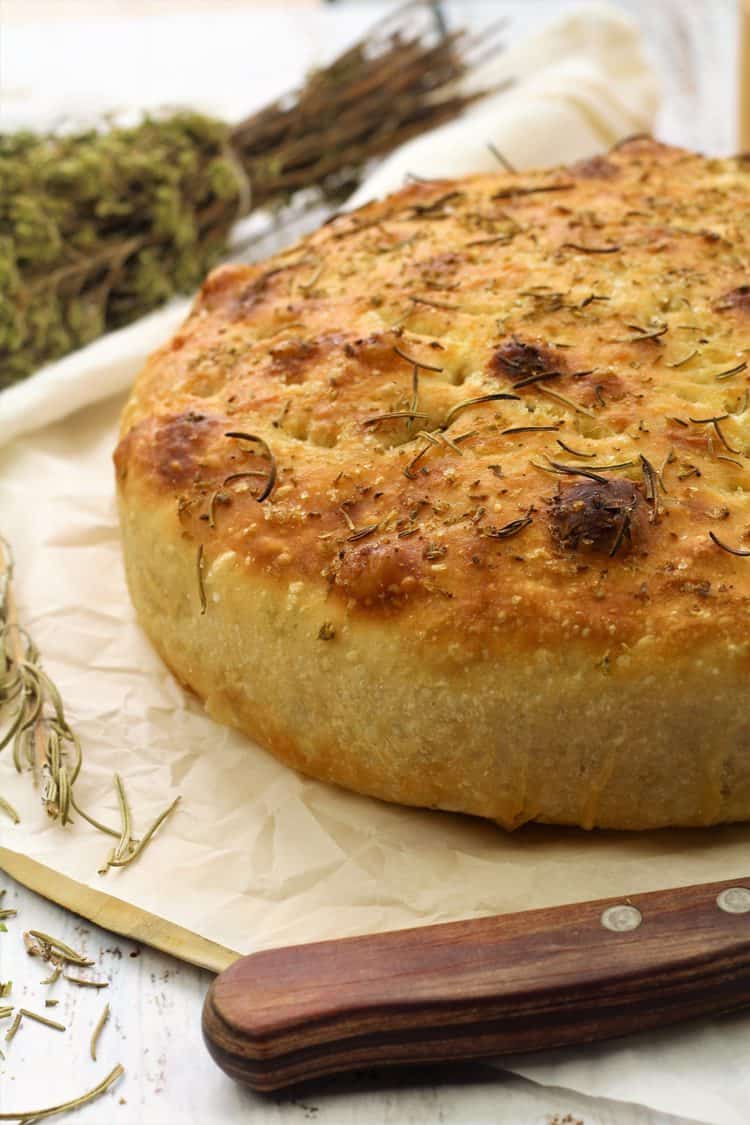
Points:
[(99, 227), (34, 723)]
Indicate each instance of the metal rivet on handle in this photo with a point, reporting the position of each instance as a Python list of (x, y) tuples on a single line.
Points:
[(621, 918), (734, 900)]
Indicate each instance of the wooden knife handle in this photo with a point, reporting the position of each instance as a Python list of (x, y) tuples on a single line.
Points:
[(488, 986)]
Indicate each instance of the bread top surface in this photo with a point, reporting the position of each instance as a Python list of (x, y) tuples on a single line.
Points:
[(608, 303)]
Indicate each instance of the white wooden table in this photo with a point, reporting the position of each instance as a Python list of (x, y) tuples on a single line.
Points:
[(155, 1026)]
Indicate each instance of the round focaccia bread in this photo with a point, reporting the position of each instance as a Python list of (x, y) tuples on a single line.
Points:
[(448, 503)]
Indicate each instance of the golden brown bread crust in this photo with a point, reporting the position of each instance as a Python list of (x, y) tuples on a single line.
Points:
[(514, 607)]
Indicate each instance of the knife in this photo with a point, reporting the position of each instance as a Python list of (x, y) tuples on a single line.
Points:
[(487, 986)]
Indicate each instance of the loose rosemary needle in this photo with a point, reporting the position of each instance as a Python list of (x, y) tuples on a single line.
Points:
[(125, 842), (98, 1030), (11, 812), (75, 1103), (42, 1019), (201, 586), (10, 1033), (86, 983)]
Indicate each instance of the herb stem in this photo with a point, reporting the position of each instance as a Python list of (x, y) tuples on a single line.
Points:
[(74, 1103), (123, 844), (92, 821), (145, 839), (98, 1030)]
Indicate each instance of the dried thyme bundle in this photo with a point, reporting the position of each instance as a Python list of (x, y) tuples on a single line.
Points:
[(99, 227), (33, 721)]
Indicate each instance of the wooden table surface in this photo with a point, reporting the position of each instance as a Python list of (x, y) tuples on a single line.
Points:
[(154, 1030)]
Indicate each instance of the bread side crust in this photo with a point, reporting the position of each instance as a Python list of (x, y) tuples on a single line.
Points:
[(561, 738)]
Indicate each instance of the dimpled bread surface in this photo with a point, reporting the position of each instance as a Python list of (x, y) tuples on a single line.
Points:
[(448, 502)]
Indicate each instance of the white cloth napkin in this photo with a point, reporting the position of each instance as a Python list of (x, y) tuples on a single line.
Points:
[(579, 85)]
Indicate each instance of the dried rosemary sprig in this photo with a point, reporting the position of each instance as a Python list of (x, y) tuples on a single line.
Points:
[(99, 227), (43, 741)]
